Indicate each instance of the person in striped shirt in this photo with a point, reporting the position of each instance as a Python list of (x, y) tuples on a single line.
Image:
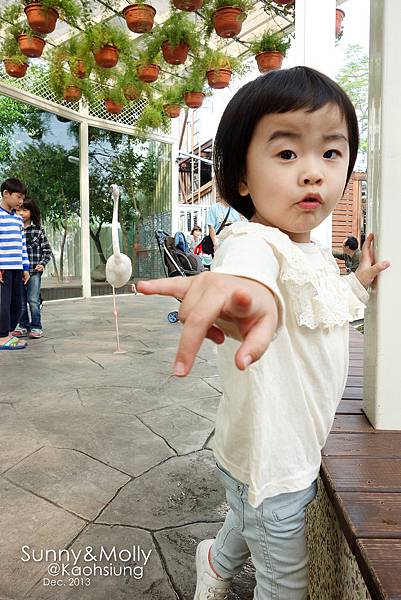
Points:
[(14, 262)]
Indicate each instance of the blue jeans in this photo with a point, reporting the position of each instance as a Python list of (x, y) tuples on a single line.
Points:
[(30, 296), (273, 534)]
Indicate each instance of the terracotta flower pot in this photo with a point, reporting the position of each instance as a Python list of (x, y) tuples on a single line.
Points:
[(107, 56), (228, 21), (113, 107), (194, 99), (139, 17), (131, 93), (15, 69), (175, 55), (72, 93), (80, 69), (340, 14), (218, 78), (172, 110), (40, 19), (148, 73), (31, 46), (268, 61), (188, 5)]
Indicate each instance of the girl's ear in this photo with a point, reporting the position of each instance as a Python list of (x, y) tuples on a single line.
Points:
[(243, 188)]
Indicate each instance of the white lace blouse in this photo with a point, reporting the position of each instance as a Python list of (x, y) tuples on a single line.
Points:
[(274, 418)]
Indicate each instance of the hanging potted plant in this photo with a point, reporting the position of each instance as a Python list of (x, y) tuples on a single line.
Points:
[(114, 100), (131, 85), (139, 16), (80, 58), (188, 5), (193, 87), (30, 43), (106, 43), (227, 16), (173, 101), (153, 116), (73, 90), (15, 62), (146, 67), (269, 50), (340, 14), (177, 36), (219, 68), (42, 16)]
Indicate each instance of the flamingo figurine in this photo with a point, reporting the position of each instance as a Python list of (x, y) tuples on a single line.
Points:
[(118, 265)]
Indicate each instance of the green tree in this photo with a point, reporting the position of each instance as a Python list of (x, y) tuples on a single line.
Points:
[(53, 182), (15, 116), (354, 78)]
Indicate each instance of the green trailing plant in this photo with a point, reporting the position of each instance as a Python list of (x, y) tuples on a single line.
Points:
[(69, 10), (172, 95), (10, 15), (218, 59), (150, 53), (102, 34), (178, 29), (23, 28), (9, 49), (130, 79), (270, 42), (114, 93), (153, 116), (195, 81), (279, 10), (77, 49)]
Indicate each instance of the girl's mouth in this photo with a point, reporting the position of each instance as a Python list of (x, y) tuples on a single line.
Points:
[(310, 202)]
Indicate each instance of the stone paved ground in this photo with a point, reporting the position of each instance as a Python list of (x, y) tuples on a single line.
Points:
[(103, 450)]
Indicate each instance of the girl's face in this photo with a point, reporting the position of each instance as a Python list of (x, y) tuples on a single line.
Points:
[(296, 169), (25, 213)]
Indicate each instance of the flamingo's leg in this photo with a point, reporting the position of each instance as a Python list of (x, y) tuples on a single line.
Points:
[(115, 313)]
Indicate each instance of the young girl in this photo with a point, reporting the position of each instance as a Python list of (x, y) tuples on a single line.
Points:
[(39, 253), (284, 152)]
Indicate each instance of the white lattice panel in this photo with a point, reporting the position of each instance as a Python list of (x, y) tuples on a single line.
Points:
[(39, 86)]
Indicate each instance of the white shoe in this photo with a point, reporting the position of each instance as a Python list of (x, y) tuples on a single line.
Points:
[(208, 585)]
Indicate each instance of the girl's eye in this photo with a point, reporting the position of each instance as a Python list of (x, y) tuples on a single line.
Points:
[(331, 154), (287, 155)]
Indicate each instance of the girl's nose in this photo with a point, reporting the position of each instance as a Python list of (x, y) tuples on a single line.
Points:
[(311, 175)]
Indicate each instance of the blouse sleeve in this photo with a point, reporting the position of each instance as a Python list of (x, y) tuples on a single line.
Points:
[(252, 258)]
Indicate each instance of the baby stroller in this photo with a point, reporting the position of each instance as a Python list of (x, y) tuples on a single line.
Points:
[(177, 260)]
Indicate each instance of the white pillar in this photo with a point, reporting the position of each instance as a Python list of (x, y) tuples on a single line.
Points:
[(382, 375), (175, 178), (315, 47), (84, 197)]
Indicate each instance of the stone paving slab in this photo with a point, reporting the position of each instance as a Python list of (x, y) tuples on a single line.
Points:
[(78, 422), (178, 492), (173, 423), (27, 520), (69, 479), (178, 547), (128, 568)]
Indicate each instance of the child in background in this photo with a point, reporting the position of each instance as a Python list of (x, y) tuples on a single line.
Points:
[(39, 253), (14, 262), (284, 152)]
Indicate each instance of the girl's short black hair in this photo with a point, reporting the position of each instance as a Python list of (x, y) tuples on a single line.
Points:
[(31, 205), (13, 185), (275, 92)]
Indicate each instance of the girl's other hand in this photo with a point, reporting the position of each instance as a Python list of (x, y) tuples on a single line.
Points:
[(368, 269), (39, 268), (247, 307)]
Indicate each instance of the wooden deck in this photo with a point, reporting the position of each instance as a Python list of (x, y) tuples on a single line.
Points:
[(361, 470)]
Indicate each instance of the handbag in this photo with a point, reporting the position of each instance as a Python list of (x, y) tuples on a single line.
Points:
[(206, 246)]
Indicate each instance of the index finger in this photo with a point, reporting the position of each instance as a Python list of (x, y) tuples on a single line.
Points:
[(176, 287)]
